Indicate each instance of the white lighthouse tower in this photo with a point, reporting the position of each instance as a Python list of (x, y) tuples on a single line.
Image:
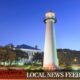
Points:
[(50, 61)]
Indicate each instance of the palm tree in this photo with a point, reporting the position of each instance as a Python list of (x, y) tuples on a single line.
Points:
[(38, 57)]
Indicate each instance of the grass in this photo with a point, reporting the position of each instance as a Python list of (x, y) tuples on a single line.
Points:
[(24, 67)]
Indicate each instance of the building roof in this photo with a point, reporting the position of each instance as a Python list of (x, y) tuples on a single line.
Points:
[(24, 46)]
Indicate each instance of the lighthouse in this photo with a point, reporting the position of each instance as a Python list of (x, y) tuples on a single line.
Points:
[(50, 60)]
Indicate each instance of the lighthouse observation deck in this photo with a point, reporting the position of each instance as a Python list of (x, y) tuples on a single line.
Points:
[(50, 16)]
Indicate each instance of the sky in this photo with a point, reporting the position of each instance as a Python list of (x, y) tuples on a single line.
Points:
[(21, 22)]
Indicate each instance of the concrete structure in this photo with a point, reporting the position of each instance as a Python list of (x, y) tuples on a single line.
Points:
[(50, 61)]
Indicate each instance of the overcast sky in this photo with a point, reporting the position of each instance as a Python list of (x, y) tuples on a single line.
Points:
[(21, 22)]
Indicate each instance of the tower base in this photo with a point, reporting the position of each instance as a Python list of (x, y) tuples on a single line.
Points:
[(49, 67)]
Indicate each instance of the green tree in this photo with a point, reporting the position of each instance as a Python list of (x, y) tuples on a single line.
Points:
[(21, 54), (38, 57)]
